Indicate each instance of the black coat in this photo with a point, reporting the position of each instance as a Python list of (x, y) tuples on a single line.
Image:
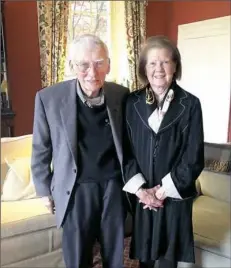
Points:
[(178, 149)]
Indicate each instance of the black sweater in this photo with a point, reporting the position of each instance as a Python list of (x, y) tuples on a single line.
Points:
[(97, 158)]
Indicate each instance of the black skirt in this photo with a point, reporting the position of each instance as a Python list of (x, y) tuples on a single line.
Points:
[(167, 232)]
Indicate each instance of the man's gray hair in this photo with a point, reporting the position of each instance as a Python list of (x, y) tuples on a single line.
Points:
[(85, 41)]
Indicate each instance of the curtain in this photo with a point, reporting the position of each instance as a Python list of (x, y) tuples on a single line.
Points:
[(135, 21), (53, 30)]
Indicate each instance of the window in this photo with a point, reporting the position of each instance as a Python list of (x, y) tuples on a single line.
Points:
[(105, 19), (87, 17)]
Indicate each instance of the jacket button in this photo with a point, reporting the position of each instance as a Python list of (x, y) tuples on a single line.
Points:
[(74, 170), (68, 192)]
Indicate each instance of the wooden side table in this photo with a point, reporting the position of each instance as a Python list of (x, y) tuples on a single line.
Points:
[(7, 123)]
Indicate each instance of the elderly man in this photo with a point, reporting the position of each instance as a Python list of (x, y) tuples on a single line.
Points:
[(78, 126)]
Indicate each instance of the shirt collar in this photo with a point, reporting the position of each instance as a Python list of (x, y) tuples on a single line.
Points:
[(98, 101)]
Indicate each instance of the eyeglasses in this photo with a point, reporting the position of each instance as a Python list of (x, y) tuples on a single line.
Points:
[(84, 67)]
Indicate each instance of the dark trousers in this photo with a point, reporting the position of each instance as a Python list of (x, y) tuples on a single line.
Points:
[(163, 263), (95, 211)]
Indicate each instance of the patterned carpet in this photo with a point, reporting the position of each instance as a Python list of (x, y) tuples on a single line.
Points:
[(127, 262)]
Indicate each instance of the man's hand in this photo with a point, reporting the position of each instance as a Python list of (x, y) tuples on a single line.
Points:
[(49, 203), (147, 196)]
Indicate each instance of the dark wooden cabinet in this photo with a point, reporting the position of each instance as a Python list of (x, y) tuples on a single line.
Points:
[(7, 123), (7, 115)]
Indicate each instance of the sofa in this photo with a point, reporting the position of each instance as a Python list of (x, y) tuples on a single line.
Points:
[(211, 220), (212, 210), (29, 237)]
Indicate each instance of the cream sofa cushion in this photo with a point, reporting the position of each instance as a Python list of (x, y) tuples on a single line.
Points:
[(28, 231), (18, 183), (211, 225), (15, 147), (16, 211), (214, 184)]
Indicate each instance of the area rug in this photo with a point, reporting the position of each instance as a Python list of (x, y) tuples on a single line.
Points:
[(128, 263)]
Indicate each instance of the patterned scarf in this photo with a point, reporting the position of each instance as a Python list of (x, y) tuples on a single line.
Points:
[(158, 114)]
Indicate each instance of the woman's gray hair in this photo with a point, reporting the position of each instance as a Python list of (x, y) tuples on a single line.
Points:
[(85, 41), (158, 41)]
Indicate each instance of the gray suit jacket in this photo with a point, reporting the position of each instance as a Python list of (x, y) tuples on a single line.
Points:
[(55, 136)]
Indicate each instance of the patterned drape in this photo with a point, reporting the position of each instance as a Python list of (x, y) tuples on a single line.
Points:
[(53, 29), (135, 19)]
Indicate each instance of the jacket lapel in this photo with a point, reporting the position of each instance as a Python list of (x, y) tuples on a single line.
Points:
[(142, 109), (176, 109), (114, 109), (68, 111)]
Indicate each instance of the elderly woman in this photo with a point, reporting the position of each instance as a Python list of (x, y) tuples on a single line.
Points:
[(165, 127)]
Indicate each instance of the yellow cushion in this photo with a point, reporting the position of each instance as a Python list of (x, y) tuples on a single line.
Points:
[(216, 185), (14, 147), (211, 225), (21, 210), (18, 183)]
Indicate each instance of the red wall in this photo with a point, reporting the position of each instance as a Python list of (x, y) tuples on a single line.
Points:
[(23, 63), (189, 11), (163, 17), (157, 17)]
